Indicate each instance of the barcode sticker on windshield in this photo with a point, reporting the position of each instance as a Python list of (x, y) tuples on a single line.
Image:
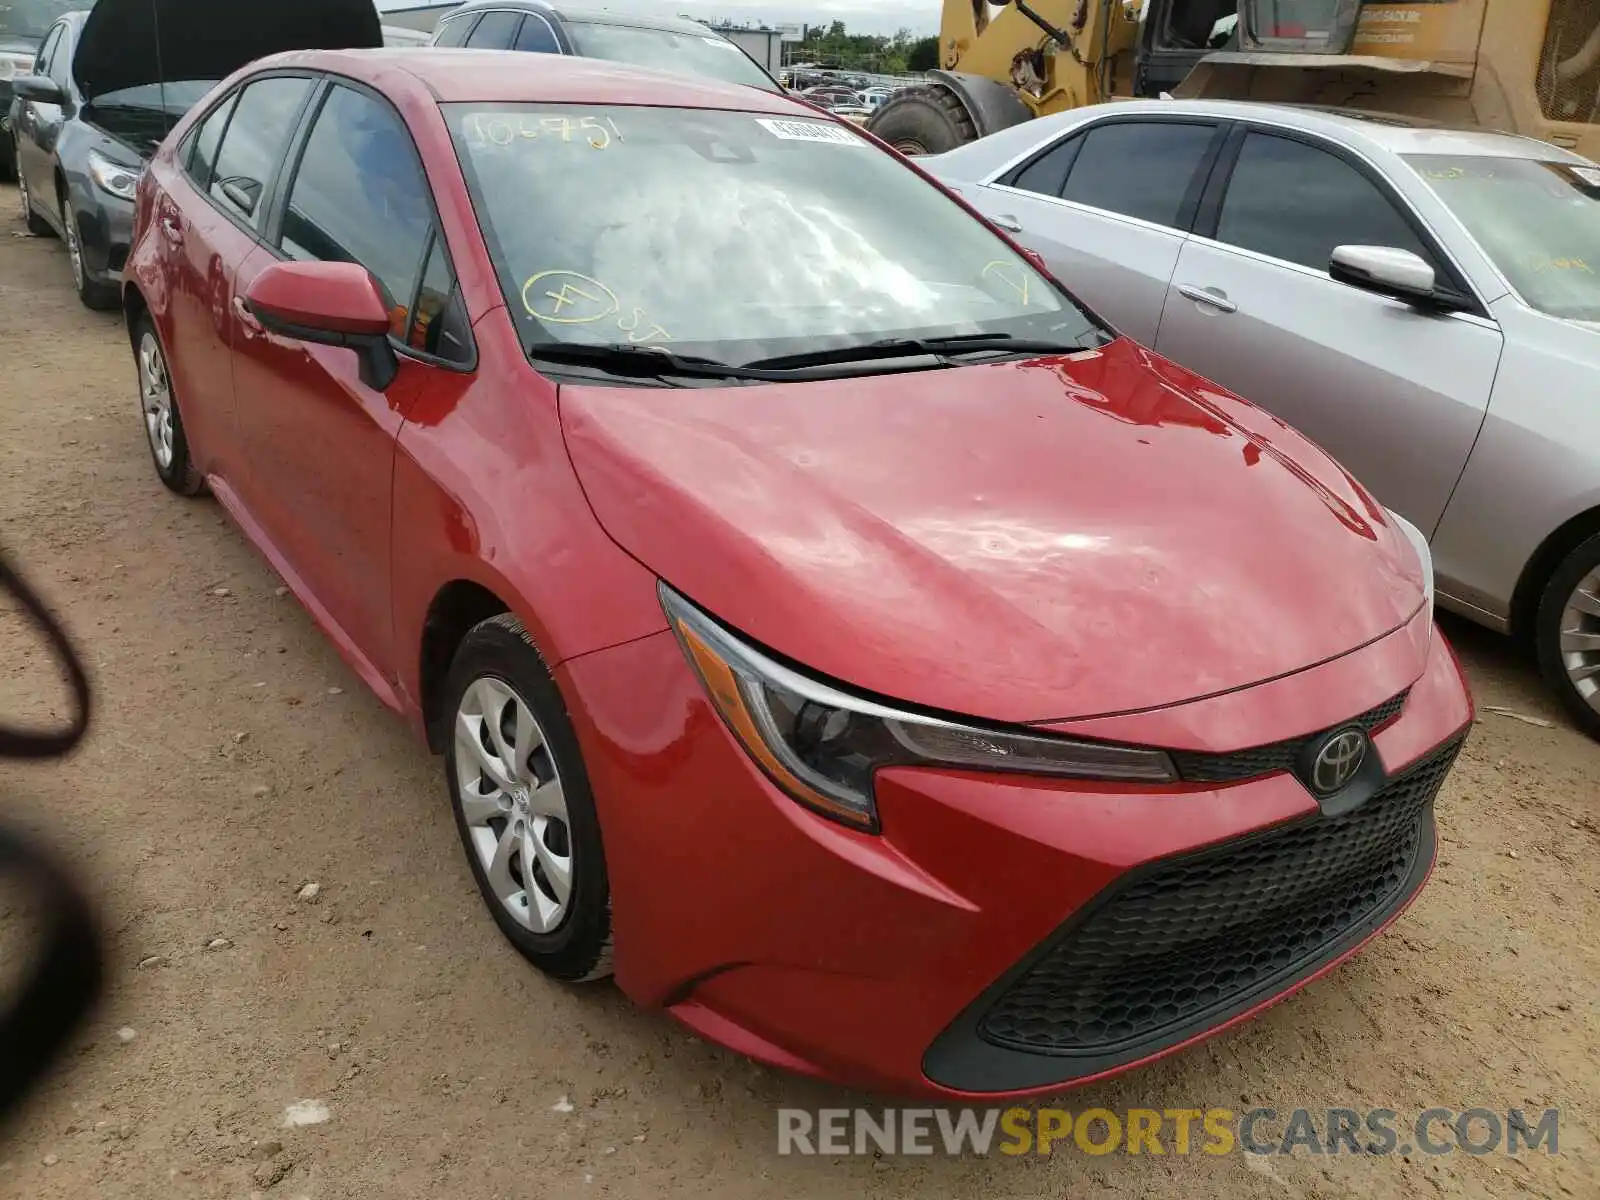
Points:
[(810, 131)]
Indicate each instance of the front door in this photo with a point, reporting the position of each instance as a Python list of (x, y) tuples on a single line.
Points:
[(38, 127), (1106, 209), (321, 443), (1395, 393)]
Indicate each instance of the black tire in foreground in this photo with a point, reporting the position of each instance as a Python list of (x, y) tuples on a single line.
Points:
[(497, 682), (1567, 634), (161, 414), (924, 120)]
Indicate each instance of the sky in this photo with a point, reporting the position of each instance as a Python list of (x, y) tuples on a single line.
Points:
[(861, 16)]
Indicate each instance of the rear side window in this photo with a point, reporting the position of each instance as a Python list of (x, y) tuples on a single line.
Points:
[(1139, 168), (1047, 174), (1295, 202), (453, 31), (207, 138), (496, 31), (359, 196), (537, 37), (253, 146)]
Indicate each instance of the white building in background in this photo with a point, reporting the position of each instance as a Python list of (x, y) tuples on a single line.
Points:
[(762, 44), (415, 14)]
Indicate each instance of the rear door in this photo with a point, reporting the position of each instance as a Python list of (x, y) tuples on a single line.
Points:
[(1107, 208), (1397, 394), (208, 224)]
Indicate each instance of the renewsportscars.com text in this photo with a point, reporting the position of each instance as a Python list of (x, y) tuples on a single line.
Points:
[(1179, 1131)]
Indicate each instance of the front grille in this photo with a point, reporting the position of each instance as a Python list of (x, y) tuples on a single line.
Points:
[(1196, 934), (1239, 765)]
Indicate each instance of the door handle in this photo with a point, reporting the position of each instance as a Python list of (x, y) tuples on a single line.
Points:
[(1212, 297), (1007, 222), (247, 318)]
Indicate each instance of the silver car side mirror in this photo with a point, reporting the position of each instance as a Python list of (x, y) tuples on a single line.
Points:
[(1387, 270)]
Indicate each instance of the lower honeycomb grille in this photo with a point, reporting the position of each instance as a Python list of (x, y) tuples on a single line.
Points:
[(1192, 935)]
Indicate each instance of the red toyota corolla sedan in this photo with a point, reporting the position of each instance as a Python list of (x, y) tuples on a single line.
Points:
[(912, 682)]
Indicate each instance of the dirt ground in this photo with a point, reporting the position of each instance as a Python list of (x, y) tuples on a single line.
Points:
[(236, 759)]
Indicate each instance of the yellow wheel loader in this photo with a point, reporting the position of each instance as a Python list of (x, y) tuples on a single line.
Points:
[(1522, 66)]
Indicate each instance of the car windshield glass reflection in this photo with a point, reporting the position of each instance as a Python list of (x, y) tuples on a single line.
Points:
[(666, 50), (33, 18), (734, 236), (1538, 221)]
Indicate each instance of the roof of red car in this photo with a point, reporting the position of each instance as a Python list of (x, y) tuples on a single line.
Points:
[(509, 76)]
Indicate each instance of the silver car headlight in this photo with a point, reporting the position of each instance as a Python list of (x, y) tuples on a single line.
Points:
[(822, 746), (13, 65), (114, 178), (1419, 543)]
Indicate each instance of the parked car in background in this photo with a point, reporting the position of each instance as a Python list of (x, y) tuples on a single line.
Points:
[(935, 692), (401, 35), (109, 84), (673, 44), (1422, 302), (23, 25)]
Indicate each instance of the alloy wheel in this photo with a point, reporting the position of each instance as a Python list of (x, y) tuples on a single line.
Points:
[(513, 804), (1580, 638), (74, 249), (155, 398)]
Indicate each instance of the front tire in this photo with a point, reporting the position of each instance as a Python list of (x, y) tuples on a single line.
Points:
[(100, 297), (160, 414), (924, 120), (1567, 634), (523, 806)]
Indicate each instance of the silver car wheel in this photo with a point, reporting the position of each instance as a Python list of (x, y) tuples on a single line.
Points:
[(74, 250), (513, 805), (1580, 638), (155, 399)]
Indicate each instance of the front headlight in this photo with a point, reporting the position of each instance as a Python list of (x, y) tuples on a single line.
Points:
[(822, 746), (113, 177), (12, 65), (1419, 543)]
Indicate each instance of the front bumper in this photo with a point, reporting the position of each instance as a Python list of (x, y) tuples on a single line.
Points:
[(1003, 936), (105, 231)]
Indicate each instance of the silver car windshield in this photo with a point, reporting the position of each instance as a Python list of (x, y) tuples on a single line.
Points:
[(733, 235), (667, 50), (1539, 221)]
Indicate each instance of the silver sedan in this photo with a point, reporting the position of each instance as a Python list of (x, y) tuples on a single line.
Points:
[(1423, 302)]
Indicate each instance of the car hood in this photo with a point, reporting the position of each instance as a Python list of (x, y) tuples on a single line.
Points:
[(128, 43), (1023, 542)]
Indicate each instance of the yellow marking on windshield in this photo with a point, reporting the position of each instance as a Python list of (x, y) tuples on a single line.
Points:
[(572, 298), (1011, 275), (598, 132), (568, 298), (1564, 264)]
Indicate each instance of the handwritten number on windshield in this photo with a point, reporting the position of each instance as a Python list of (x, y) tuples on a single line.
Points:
[(598, 132)]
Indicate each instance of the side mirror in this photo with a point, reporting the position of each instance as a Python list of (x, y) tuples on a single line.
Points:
[(331, 304), (39, 88), (1386, 270)]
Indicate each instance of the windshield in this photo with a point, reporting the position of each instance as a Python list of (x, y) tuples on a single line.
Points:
[(665, 50), (734, 236), (33, 18), (174, 99), (1539, 222)]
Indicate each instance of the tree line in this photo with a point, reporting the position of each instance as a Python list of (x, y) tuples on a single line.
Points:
[(833, 45)]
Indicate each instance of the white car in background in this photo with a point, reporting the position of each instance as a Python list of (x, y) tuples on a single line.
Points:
[(1423, 302)]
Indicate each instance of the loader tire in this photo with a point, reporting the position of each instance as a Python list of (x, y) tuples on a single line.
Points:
[(924, 120)]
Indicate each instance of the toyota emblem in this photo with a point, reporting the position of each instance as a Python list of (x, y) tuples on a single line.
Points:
[(1338, 761)]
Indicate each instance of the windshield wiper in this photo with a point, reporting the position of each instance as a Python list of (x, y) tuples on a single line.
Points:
[(938, 347), (624, 358)]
